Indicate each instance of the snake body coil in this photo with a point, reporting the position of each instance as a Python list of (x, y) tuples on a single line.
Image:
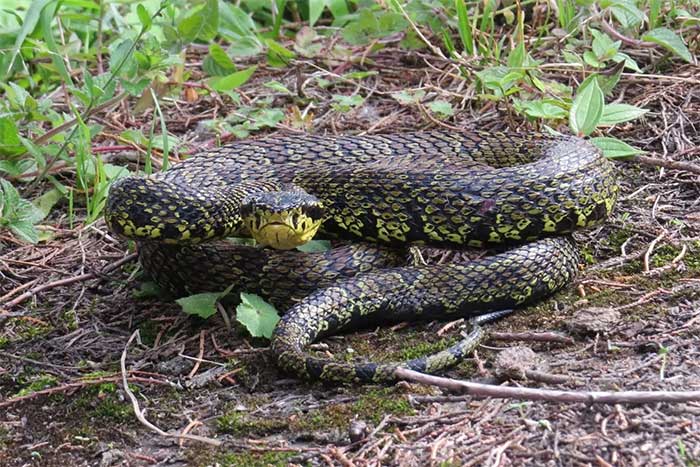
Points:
[(444, 188)]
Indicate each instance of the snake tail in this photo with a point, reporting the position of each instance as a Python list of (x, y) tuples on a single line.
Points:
[(512, 279)]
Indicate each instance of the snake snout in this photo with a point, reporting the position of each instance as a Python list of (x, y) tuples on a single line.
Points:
[(282, 220)]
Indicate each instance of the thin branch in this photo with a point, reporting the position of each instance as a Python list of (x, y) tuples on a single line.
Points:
[(552, 395), (676, 165), (69, 280), (139, 412)]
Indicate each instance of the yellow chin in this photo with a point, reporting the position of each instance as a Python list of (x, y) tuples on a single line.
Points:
[(282, 236)]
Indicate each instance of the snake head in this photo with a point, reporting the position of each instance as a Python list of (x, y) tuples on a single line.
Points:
[(282, 219)]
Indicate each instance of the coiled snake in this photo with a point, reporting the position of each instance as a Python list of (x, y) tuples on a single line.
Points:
[(437, 187)]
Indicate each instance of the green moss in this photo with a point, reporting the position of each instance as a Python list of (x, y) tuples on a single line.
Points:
[(239, 424), (254, 459), (102, 401), (4, 341), (425, 348), (377, 403), (37, 383)]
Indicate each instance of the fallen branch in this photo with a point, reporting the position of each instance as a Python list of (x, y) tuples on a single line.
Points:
[(676, 165), (551, 395)]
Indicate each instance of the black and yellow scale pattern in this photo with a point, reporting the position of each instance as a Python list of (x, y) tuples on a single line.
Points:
[(438, 187)]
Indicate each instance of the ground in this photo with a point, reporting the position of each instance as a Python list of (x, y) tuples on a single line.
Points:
[(633, 314)]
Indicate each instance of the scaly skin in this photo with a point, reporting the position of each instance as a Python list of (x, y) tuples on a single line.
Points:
[(437, 187)]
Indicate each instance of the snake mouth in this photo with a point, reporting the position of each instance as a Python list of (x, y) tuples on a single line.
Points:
[(281, 236)]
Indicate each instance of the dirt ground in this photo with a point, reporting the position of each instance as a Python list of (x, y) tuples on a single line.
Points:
[(630, 322)]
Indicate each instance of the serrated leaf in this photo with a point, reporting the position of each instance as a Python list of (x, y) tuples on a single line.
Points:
[(613, 148), (202, 304), (219, 55), (627, 13), (258, 316), (232, 81), (587, 109), (669, 40), (619, 113)]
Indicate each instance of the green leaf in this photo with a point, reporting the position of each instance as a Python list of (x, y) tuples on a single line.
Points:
[(627, 13), (315, 9), (315, 246), (443, 108), (202, 24), (603, 47), (31, 19), (232, 81), (258, 316), (277, 86), (619, 113), (344, 103), (10, 143), (669, 40), (146, 290), (613, 148), (202, 304), (587, 109), (217, 62), (542, 108), (47, 201), (278, 55), (144, 17), (464, 27), (408, 97)]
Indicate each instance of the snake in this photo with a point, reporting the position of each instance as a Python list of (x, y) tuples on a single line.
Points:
[(523, 194)]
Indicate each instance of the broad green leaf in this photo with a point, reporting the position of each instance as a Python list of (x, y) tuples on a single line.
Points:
[(232, 81), (217, 62), (627, 13), (613, 148), (144, 17), (10, 143), (619, 113), (516, 58), (202, 24), (603, 47), (315, 9), (277, 54), (443, 108), (47, 201), (202, 304), (258, 316), (669, 40), (546, 109), (587, 109), (31, 19)]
